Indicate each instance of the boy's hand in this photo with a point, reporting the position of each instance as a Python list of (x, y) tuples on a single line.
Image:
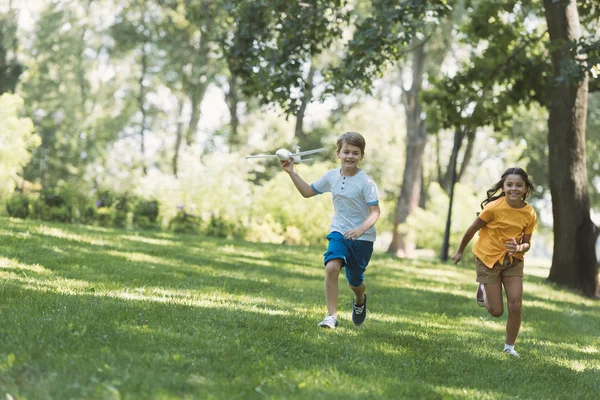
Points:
[(456, 257), (287, 166), (353, 234)]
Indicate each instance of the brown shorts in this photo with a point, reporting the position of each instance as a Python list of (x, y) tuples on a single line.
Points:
[(499, 271)]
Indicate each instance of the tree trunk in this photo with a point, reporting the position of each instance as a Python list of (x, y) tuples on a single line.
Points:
[(467, 156), (44, 155), (196, 97), (416, 139), (446, 178), (458, 138), (574, 262), (178, 139), (306, 98), (232, 99), (142, 105)]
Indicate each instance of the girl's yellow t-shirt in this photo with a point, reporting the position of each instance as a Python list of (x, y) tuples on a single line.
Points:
[(503, 223)]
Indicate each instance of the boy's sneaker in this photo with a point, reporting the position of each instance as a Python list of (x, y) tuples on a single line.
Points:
[(479, 296), (329, 322), (359, 313), (512, 352)]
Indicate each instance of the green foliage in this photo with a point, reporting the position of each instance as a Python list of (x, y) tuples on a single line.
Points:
[(278, 204), (52, 206), (17, 205), (118, 218), (103, 216), (10, 66), (508, 65), (17, 141), (223, 226), (145, 214), (593, 148), (427, 226), (273, 41), (116, 209), (67, 91), (384, 37), (184, 222)]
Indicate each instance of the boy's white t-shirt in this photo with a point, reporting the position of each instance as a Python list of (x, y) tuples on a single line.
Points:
[(352, 196)]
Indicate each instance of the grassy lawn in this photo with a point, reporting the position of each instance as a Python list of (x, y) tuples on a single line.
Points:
[(105, 314)]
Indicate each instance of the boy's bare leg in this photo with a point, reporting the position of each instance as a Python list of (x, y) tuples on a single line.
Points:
[(332, 274), (493, 299), (513, 285), (359, 293)]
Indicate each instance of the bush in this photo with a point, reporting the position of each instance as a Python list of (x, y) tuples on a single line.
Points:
[(118, 218), (265, 230), (51, 206), (89, 214), (17, 206), (292, 236), (118, 210), (145, 214), (52, 199), (103, 216), (184, 223), (224, 227), (305, 221)]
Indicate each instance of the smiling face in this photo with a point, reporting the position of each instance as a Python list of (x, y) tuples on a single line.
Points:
[(514, 188), (349, 155)]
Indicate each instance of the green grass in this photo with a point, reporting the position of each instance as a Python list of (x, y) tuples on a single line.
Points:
[(105, 314)]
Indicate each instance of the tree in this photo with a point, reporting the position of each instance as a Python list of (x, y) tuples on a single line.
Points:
[(190, 39), (17, 140), (514, 69), (10, 67), (69, 104), (275, 42), (574, 262), (135, 34)]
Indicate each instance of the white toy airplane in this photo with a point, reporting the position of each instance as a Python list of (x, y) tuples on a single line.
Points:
[(285, 155)]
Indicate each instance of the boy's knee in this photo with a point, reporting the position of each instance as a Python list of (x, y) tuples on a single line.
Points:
[(333, 267), (355, 288)]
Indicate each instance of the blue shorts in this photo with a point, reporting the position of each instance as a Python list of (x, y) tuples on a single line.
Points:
[(355, 256)]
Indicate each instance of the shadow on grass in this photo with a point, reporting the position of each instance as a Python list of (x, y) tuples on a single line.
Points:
[(179, 317), (79, 344), (178, 265)]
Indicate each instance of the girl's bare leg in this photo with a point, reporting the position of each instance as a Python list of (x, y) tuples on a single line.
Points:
[(332, 274), (493, 299), (513, 285)]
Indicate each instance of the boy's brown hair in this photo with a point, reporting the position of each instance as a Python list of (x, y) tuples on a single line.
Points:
[(354, 139)]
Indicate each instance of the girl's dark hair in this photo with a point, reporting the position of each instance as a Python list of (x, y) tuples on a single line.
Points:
[(491, 193)]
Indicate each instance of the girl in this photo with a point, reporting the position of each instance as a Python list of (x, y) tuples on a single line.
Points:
[(352, 231), (506, 223)]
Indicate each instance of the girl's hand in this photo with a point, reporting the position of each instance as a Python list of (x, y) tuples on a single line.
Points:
[(353, 234), (511, 246), (456, 257)]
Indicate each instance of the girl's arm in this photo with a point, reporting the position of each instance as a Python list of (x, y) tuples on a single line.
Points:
[(303, 187), (471, 230), (357, 232)]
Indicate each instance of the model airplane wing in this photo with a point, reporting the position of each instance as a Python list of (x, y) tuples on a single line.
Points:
[(285, 155), (263, 156), (304, 153)]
